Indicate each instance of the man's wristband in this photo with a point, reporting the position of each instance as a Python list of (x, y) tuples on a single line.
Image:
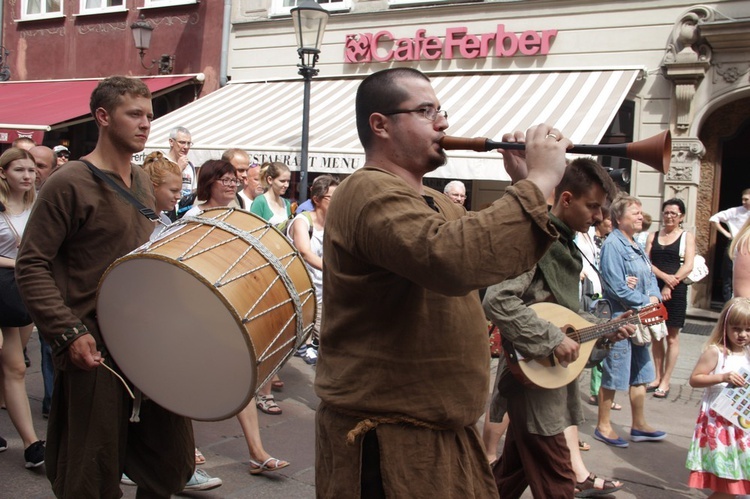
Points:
[(61, 341)]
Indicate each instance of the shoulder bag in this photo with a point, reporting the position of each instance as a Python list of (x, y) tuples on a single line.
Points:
[(700, 269)]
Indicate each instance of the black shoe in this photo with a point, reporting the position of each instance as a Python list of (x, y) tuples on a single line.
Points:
[(34, 454), (3, 444)]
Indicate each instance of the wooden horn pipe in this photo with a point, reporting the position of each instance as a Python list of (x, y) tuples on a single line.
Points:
[(655, 151)]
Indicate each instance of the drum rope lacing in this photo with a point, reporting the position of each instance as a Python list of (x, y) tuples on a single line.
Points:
[(255, 243)]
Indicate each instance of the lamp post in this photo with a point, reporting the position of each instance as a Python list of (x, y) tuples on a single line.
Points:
[(142, 37), (310, 21)]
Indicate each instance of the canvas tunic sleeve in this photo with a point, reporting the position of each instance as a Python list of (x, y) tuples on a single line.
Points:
[(68, 245)]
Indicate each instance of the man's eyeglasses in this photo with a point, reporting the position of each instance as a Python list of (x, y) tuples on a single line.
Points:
[(429, 113), (184, 143), (226, 182), (671, 214)]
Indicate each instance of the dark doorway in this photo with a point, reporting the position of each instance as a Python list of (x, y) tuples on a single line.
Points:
[(735, 177)]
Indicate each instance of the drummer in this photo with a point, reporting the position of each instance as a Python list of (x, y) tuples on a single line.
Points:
[(77, 229)]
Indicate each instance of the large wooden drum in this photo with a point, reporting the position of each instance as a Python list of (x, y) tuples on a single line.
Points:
[(204, 315)]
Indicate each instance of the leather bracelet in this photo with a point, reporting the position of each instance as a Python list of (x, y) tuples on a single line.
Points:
[(64, 339)]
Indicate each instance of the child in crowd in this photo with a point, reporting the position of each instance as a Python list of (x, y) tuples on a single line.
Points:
[(718, 457)]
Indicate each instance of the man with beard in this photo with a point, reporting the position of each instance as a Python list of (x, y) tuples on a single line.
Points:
[(404, 365)]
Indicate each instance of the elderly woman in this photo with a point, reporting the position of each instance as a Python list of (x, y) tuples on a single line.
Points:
[(627, 365), (217, 186), (671, 266)]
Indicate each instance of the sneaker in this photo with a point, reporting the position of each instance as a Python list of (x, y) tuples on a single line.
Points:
[(300, 352), (125, 480), (311, 356), (34, 454), (202, 481), (3, 444)]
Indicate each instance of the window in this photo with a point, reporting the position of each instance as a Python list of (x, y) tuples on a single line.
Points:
[(406, 3), (167, 3), (35, 9), (283, 7), (101, 6)]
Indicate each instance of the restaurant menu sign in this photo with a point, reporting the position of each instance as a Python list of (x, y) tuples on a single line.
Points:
[(457, 42)]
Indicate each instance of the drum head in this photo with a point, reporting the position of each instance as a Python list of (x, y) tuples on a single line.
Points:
[(174, 337)]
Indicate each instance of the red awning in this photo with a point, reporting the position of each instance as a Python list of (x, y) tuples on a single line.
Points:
[(30, 108)]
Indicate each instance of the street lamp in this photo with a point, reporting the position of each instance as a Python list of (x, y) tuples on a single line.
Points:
[(142, 38), (310, 21)]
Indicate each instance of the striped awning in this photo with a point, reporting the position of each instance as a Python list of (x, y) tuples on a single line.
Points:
[(265, 118)]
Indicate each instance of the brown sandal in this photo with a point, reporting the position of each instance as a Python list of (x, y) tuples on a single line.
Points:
[(594, 486)]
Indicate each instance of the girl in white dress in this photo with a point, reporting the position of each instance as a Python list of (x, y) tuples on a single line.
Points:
[(719, 455)]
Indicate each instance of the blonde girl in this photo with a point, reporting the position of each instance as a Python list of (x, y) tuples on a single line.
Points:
[(718, 458), (17, 194)]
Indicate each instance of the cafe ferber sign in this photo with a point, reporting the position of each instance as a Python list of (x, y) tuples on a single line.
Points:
[(457, 42)]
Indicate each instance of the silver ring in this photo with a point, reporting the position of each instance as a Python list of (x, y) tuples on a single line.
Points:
[(551, 135)]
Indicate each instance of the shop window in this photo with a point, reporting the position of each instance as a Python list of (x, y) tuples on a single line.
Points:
[(102, 6), (282, 7), (36, 9)]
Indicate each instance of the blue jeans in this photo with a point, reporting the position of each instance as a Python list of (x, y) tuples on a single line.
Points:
[(627, 365), (48, 374)]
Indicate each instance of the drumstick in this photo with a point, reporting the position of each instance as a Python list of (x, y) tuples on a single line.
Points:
[(120, 378)]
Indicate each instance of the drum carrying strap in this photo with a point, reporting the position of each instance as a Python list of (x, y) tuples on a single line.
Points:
[(144, 210)]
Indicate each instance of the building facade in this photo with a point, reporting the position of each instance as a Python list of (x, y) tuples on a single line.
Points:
[(54, 52), (686, 67)]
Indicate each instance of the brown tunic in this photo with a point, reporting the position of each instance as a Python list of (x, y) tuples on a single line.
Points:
[(404, 333)]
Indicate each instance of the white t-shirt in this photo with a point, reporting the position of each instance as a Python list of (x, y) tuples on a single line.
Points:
[(8, 242), (316, 246)]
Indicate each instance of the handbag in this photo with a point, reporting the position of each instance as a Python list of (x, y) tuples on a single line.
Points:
[(700, 269), (658, 331), (642, 336), (13, 312)]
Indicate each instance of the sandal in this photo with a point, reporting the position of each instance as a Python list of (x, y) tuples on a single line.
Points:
[(593, 400), (583, 445), (277, 385), (267, 404), (256, 468), (199, 457), (661, 394), (594, 486), (616, 406)]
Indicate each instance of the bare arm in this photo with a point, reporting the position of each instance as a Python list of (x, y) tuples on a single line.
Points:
[(301, 239), (720, 228)]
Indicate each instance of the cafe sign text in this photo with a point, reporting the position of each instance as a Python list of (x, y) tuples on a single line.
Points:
[(383, 46)]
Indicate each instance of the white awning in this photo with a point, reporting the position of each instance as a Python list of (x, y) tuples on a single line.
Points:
[(265, 118)]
